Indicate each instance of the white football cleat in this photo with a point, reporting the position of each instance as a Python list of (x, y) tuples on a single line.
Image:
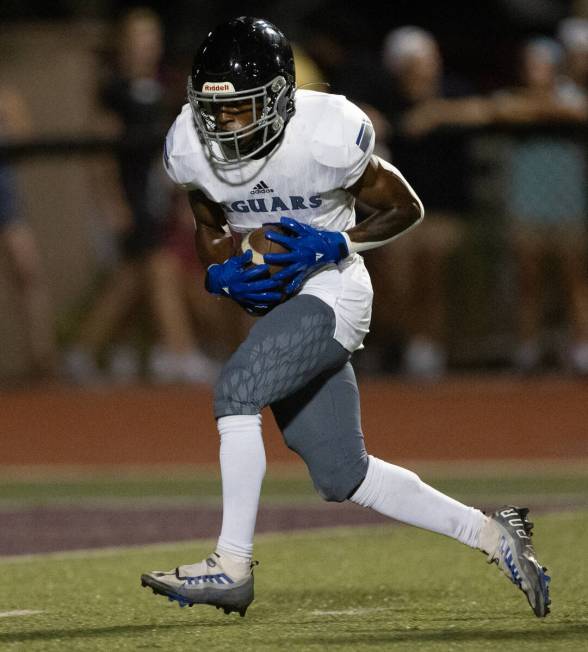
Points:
[(218, 580), (512, 551)]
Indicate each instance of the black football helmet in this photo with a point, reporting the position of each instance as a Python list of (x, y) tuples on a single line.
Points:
[(245, 59)]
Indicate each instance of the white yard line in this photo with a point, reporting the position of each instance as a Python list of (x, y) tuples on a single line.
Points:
[(19, 612), (349, 612)]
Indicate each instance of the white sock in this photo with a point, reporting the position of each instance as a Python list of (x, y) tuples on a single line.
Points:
[(242, 462), (400, 494)]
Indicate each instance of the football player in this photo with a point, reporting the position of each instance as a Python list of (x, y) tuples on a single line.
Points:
[(251, 149)]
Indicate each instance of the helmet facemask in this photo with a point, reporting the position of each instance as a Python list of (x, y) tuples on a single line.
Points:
[(270, 106)]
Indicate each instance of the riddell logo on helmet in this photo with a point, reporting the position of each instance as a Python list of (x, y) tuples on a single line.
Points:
[(218, 87)]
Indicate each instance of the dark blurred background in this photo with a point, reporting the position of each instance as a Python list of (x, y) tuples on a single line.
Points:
[(478, 39), (482, 106)]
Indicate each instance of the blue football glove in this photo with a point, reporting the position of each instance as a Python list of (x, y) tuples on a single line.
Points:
[(309, 248), (250, 286)]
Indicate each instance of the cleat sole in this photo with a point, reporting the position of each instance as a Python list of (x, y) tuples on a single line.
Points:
[(159, 588)]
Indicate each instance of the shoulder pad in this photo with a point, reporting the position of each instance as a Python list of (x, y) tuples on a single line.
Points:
[(182, 149), (343, 134)]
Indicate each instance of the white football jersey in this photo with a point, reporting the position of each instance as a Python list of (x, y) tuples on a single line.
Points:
[(326, 147)]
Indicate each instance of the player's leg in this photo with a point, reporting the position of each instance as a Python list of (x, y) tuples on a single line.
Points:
[(33, 289), (284, 351), (321, 422)]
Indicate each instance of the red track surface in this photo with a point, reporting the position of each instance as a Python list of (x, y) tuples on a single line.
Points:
[(460, 419)]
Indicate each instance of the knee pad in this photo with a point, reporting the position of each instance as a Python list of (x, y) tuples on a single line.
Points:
[(337, 484)]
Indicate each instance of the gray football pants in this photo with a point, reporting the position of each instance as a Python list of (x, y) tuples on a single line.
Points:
[(291, 362)]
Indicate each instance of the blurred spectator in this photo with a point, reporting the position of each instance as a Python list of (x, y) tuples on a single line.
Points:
[(434, 159), (349, 70), (331, 39), (572, 33), (202, 317), (18, 242), (546, 200), (134, 93)]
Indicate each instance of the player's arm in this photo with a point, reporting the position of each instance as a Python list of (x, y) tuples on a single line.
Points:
[(396, 209), (213, 243), (227, 274), (396, 206)]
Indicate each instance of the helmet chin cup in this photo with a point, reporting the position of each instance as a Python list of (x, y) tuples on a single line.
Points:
[(278, 124)]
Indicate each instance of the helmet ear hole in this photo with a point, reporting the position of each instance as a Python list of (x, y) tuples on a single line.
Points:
[(245, 59)]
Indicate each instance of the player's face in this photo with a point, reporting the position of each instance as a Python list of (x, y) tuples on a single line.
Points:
[(234, 115)]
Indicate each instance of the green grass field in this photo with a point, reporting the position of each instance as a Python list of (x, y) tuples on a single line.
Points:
[(549, 484), (362, 588)]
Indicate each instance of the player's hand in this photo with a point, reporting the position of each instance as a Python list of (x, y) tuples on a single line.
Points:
[(309, 248), (250, 286)]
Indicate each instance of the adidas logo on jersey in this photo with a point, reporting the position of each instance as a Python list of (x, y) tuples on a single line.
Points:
[(261, 188)]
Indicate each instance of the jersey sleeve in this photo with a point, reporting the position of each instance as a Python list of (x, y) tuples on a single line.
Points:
[(365, 141), (167, 159), (343, 141), (170, 160), (179, 158)]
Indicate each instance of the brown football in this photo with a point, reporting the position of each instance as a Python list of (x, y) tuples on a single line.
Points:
[(259, 245)]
